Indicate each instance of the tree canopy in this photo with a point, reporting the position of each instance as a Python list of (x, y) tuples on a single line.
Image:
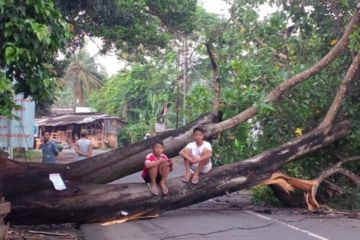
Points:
[(134, 28), (32, 33)]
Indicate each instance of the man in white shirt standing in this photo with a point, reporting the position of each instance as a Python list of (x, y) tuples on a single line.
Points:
[(197, 156), (83, 146)]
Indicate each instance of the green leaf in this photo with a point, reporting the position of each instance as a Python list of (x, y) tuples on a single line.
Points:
[(10, 55), (42, 32)]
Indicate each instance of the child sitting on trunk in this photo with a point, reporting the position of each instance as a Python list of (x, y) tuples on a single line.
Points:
[(197, 157), (157, 168)]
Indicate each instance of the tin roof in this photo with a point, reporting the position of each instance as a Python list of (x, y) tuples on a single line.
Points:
[(73, 119)]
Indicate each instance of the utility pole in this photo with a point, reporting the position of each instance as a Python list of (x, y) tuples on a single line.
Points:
[(185, 76), (178, 78)]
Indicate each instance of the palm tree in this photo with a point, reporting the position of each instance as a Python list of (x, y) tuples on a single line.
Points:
[(84, 74)]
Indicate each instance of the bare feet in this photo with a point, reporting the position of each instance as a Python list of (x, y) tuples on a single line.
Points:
[(195, 179), (153, 189), (164, 188), (186, 178)]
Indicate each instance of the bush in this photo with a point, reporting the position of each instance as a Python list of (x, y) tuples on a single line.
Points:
[(350, 200), (132, 133), (263, 196)]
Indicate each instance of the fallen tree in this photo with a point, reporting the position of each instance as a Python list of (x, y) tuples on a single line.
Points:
[(27, 185), (83, 202), (121, 162), (16, 177), (121, 167), (283, 185), (288, 184)]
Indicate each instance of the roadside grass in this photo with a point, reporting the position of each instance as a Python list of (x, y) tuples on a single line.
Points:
[(28, 156)]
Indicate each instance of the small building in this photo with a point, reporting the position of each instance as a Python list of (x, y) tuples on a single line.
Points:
[(65, 129), (58, 111)]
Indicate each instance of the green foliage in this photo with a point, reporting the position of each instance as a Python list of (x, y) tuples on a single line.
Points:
[(153, 109), (248, 51), (264, 196), (253, 55), (139, 96), (350, 200), (136, 131), (30, 155), (136, 28), (199, 101), (32, 34), (138, 93), (6, 96), (354, 44)]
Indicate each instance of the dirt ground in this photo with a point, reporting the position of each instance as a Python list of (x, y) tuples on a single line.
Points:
[(65, 156), (46, 232)]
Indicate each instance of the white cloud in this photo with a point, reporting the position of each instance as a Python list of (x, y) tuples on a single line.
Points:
[(110, 61)]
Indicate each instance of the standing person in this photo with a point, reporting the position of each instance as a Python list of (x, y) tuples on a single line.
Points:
[(83, 146), (49, 149), (147, 136), (197, 156), (156, 169)]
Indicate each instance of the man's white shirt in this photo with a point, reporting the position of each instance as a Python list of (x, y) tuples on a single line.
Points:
[(198, 151)]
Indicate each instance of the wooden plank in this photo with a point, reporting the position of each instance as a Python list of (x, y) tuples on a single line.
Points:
[(48, 233), (5, 208)]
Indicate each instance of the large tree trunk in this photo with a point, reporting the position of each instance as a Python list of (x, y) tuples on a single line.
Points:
[(118, 163), (83, 202), (16, 177)]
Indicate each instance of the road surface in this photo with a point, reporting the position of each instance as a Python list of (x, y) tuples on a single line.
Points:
[(229, 218)]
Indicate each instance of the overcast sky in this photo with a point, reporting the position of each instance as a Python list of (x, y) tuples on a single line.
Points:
[(219, 7), (113, 65)]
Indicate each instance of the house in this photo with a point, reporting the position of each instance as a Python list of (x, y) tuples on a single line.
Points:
[(65, 129)]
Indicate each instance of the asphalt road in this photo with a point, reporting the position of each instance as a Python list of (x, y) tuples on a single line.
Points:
[(228, 217)]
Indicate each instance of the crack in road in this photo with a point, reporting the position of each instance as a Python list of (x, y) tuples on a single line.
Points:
[(216, 232)]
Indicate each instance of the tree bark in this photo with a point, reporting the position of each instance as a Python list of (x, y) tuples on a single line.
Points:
[(284, 185), (216, 80), (17, 177), (83, 202), (341, 93)]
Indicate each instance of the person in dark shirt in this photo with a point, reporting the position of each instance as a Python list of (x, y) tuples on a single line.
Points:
[(49, 149)]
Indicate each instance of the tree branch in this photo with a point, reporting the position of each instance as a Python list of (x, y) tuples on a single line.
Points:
[(275, 94), (310, 187), (337, 168), (341, 93), (216, 80)]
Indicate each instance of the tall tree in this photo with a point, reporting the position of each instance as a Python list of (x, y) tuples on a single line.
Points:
[(135, 28), (84, 75), (32, 32)]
